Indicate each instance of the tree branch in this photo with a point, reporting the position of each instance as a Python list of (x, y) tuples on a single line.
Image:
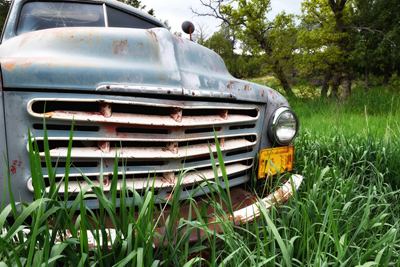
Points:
[(376, 31), (215, 7)]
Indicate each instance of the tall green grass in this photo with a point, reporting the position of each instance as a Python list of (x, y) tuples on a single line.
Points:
[(346, 212), (376, 111), (50, 232)]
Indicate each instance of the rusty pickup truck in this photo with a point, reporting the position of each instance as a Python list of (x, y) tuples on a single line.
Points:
[(133, 89)]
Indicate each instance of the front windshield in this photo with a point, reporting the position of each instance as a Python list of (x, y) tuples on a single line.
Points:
[(44, 15)]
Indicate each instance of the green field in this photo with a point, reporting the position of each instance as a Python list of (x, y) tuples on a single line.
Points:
[(346, 212)]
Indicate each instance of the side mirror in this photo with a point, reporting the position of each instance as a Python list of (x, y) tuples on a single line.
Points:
[(188, 27)]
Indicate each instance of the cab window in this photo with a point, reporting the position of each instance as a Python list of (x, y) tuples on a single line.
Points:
[(44, 15), (120, 19)]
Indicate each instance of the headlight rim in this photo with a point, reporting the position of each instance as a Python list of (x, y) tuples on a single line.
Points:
[(278, 112)]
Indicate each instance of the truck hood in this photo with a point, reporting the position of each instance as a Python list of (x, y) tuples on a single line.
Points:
[(88, 58)]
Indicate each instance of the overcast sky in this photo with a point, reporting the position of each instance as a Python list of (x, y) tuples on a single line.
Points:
[(177, 11)]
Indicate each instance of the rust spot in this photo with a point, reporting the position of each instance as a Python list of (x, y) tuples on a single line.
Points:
[(105, 109), (172, 147), (273, 93), (214, 67), (13, 169), (176, 114), (169, 177), (230, 84), (11, 63), (104, 146), (223, 113), (26, 38), (153, 34), (262, 93), (169, 197), (121, 47), (180, 41), (105, 163), (15, 164)]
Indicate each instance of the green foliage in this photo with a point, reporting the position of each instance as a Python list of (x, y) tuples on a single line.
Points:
[(137, 4), (319, 37), (377, 38), (240, 66), (335, 40), (4, 7), (272, 41), (220, 45), (394, 83)]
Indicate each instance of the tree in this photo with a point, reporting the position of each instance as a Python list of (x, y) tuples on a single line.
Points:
[(326, 43), (272, 41), (137, 4), (201, 33), (222, 46), (240, 66), (4, 7), (378, 35)]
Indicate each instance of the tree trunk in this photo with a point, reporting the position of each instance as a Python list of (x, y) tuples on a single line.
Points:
[(387, 75), (284, 82), (334, 87), (325, 85), (346, 86), (366, 79)]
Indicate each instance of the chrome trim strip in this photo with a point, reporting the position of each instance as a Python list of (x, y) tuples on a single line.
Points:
[(105, 15), (202, 93), (164, 91)]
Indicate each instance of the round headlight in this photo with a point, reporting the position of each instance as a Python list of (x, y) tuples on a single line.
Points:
[(283, 126)]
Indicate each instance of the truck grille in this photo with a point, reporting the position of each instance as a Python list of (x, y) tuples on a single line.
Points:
[(152, 140)]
